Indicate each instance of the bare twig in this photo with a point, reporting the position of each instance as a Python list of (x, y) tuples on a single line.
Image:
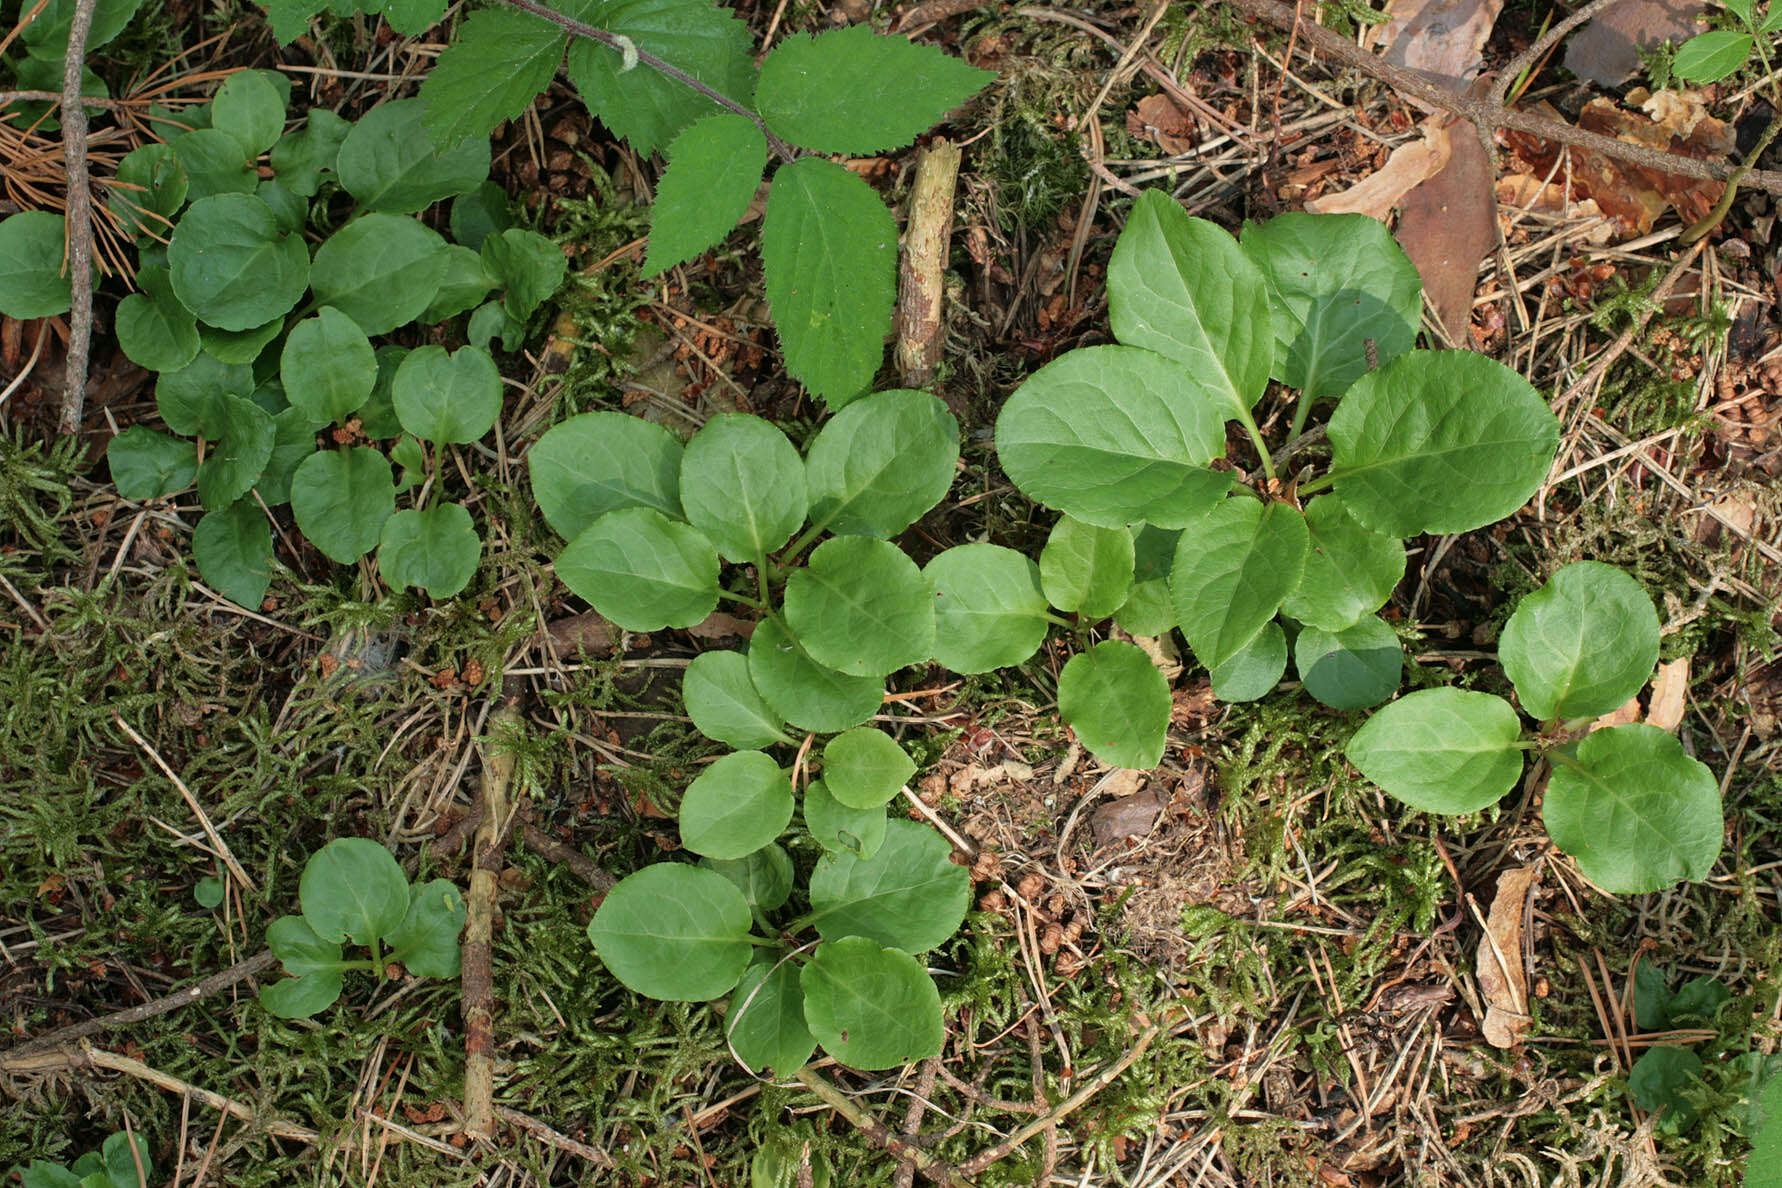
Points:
[(912, 1118), (478, 978), (79, 221), (584, 867), (545, 1134), (923, 272)]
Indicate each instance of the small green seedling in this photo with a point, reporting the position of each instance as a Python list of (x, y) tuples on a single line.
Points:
[(121, 1162), (352, 890), (1710, 57), (208, 891)]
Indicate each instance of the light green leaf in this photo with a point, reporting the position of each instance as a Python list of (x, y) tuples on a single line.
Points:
[(598, 462), (839, 827), (433, 549), (124, 1161), (1182, 287), (830, 251), (1255, 669), (1233, 569), (527, 265), (1442, 750), (479, 214), (1710, 57), (853, 91), (299, 998), (1582, 644), (1350, 570), (882, 462), (737, 805), (763, 876), (233, 549), (642, 570), (381, 270), (1636, 812), (352, 889), (239, 346), (215, 164), (1113, 435), (299, 950), (300, 158), (293, 440), (389, 162), (910, 895), (1350, 669), (861, 606), (1086, 569), (1334, 282), (250, 107), (1439, 441), (150, 465), (447, 398), (231, 266), (989, 609), (742, 484), (341, 499), (725, 705), (462, 286), (426, 942), (411, 18), (149, 189), (871, 1007), (191, 400), (47, 36), (154, 329), (714, 169), (328, 367), (805, 693), (765, 1022), (865, 767), (1148, 610), (231, 468), (674, 932), (1117, 702), (1763, 1167), (497, 63)]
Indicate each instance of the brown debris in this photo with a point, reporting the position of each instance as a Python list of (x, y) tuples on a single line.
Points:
[(1447, 225), (1503, 981), (1410, 165), (1606, 50)]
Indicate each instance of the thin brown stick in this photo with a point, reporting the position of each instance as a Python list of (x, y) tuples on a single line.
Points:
[(589, 871), (7, 97), (880, 1135), (79, 221), (202, 989), (922, 275), (478, 975), (912, 1118), (545, 1134)]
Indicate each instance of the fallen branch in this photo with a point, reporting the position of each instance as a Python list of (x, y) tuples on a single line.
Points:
[(880, 1135), (79, 220), (922, 273), (478, 976), (546, 846)]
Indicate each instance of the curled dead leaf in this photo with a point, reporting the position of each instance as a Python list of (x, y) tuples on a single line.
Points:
[(1503, 979), (1410, 165)]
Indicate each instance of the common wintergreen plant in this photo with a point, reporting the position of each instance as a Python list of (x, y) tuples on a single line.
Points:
[(353, 890), (121, 1162), (254, 372)]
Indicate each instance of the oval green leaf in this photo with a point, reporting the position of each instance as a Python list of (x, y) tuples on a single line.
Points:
[(1086, 568), (871, 1007), (1117, 702), (1710, 57), (1442, 750), (154, 329), (232, 267), (1353, 668), (861, 607), (381, 270), (910, 895), (146, 464), (1255, 669), (233, 465), (742, 484), (1350, 571), (233, 549), (674, 932), (837, 827), (389, 162), (989, 609), (737, 805), (1582, 644), (763, 876), (250, 107), (447, 398), (193, 401), (32, 282), (642, 570), (724, 704), (765, 1023), (341, 499), (602, 461), (426, 942), (808, 695), (714, 169), (433, 549), (353, 889), (1233, 569), (865, 767), (881, 463), (328, 367)]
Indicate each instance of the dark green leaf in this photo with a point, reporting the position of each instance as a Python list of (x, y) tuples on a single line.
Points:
[(389, 162), (250, 106), (299, 998), (239, 346), (447, 398), (642, 570), (300, 158), (765, 1022), (479, 214), (154, 329), (1117, 702), (463, 285), (293, 440), (149, 189), (232, 466), (1664, 1081), (191, 400), (327, 366), (527, 265), (341, 499), (1353, 668), (150, 465), (233, 549), (232, 267), (1234, 567), (47, 36), (32, 282), (215, 163), (381, 270), (498, 62), (880, 463), (433, 549), (861, 607), (714, 169), (426, 942)]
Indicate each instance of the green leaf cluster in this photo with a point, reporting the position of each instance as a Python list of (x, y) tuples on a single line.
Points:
[(1712, 56), (122, 1161), (353, 891), (262, 347)]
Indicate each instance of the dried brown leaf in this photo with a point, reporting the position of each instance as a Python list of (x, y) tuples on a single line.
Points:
[(1445, 38), (1503, 981), (1606, 49), (1447, 225), (1410, 165), (1162, 121), (1670, 690)]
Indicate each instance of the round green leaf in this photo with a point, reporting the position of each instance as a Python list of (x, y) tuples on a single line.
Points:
[(251, 108), (1233, 569), (642, 570), (989, 610), (193, 401), (301, 157), (1086, 569), (1147, 610), (1350, 570), (1439, 441), (381, 270), (388, 162), (1335, 283), (674, 932), (1636, 812), (1255, 669), (288, 207), (148, 191), (341, 499), (1353, 668), (328, 367), (233, 549), (1113, 435), (154, 329), (737, 805), (765, 1023), (231, 266), (805, 693), (763, 876), (299, 950), (32, 283), (910, 895), (881, 462), (215, 164), (293, 440), (861, 607), (231, 468), (865, 767), (871, 1007), (742, 484), (1581, 645), (1664, 1081), (1442, 750), (299, 998), (598, 462), (1117, 702), (836, 826), (433, 549), (427, 941), (239, 346), (352, 888), (150, 465), (447, 398), (724, 704), (208, 892)]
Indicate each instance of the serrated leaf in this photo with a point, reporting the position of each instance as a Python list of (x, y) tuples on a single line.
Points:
[(1233, 569), (642, 570), (765, 1023), (1182, 287), (1334, 282), (1113, 435), (598, 462), (763, 876), (232, 266), (804, 692), (674, 932), (447, 398), (1086, 569), (1582, 644), (714, 169), (381, 270), (1635, 811), (839, 827), (1351, 669), (233, 549), (154, 329), (1439, 441), (881, 463), (1255, 669), (231, 468), (426, 942), (352, 889), (341, 499), (498, 62), (856, 92), (146, 464), (1442, 750), (735, 806), (327, 367), (1710, 57), (390, 162), (861, 607), (865, 767), (910, 895), (433, 549), (742, 484), (871, 1007), (1350, 571), (989, 609), (250, 107), (829, 247), (1117, 702)]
